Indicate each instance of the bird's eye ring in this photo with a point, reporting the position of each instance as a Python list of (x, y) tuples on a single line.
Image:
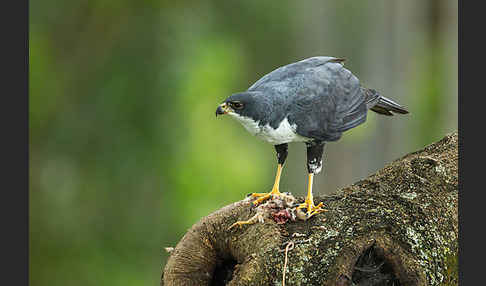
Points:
[(237, 105)]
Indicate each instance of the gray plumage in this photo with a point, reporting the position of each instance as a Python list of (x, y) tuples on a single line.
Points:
[(312, 101), (318, 96)]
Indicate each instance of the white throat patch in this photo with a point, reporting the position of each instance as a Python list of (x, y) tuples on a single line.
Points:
[(284, 133), (249, 124)]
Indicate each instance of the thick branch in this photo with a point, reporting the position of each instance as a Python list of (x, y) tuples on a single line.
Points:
[(396, 226)]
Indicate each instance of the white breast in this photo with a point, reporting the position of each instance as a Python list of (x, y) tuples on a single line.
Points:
[(284, 133)]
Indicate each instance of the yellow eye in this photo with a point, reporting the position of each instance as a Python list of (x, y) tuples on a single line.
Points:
[(237, 105)]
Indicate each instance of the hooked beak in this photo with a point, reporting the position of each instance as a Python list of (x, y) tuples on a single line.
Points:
[(222, 109)]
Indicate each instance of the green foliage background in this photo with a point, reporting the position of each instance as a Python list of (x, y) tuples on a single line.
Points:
[(126, 153)]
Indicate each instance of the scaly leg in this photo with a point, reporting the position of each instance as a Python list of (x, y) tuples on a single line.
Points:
[(309, 201), (314, 165), (281, 156), (252, 220), (275, 190)]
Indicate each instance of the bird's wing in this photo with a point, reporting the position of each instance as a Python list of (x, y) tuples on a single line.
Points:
[(327, 102), (284, 73)]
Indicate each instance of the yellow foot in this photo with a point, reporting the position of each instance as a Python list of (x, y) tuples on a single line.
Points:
[(311, 208), (252, 220), (240, 223), (264, 196)]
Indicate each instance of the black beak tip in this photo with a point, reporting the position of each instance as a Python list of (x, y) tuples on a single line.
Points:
[(219, 111)]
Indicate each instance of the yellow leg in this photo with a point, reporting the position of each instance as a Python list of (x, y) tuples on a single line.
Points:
[(262, 197), (240, 223), (309, 201), (275, 190), (252, 220)]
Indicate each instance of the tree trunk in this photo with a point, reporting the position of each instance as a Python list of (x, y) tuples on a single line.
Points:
[(396, 227)]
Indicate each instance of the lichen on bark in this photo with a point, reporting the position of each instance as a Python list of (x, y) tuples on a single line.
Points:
[(398, 225)]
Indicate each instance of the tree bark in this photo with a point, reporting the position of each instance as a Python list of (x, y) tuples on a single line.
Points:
[(399, 226)]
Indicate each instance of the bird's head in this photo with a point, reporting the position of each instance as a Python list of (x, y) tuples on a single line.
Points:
[(243, 104)]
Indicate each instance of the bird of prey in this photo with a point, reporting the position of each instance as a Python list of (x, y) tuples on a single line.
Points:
[(311, 101)]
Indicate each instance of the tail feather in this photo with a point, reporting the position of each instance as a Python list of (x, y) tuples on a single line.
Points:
[(381, 104)]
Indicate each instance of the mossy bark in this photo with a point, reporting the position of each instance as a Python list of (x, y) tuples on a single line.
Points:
[(396, 227)]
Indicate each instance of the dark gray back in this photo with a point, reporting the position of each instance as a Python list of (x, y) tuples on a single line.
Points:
[(318, 94)]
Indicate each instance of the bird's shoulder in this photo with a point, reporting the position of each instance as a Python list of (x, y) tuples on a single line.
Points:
[(301, 74), (318, 95), (326, 102)]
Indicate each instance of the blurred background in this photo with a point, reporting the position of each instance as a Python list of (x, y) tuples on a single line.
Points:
[(126, 153)]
